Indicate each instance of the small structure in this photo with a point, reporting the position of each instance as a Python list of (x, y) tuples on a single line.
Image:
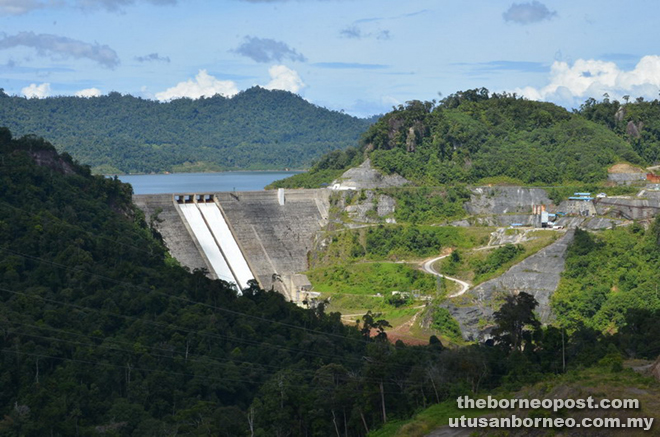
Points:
[(541, 216), (585, 197)]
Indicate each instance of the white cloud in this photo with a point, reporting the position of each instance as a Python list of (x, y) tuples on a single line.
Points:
[(36, 91), (284, 78), (570, 85), (89, 92), (203, 85)]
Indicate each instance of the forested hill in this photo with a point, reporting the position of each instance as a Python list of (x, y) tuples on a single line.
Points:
[(102, 333), (637, 121), (256, 129), (472, 135)]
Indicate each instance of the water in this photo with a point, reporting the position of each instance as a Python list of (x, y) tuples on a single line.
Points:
[(203, 182)]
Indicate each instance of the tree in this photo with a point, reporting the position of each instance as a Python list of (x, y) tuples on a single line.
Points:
[(369, 322), (513, 319)]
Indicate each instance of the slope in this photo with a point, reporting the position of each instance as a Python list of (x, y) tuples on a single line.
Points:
[(256, 129), (473, 135)]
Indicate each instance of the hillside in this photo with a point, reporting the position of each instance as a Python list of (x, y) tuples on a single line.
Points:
[(256, 129), (638, 122), (475, 135), (103, 332)]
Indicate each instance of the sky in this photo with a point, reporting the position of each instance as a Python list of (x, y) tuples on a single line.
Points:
[(358, 56)]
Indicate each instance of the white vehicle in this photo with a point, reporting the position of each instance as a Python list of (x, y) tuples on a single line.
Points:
[(601, 195)]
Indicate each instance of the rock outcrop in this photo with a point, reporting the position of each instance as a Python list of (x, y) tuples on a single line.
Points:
[(366, 177), (537, 275)]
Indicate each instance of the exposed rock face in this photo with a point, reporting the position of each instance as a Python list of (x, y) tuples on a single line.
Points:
[(625, 174), (50, 159), (537, 275), (633, 209), (633, 129), (505, 200), (367, 177), (363, 211)]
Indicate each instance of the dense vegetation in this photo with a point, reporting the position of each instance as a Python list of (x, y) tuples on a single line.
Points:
[(256, 129), (371, 278), (396, 242), (475, 136), (328, 168), (103, 333), (610, 279), (638, 122)]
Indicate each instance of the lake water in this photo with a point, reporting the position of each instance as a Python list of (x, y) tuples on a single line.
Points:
[(203, 182)]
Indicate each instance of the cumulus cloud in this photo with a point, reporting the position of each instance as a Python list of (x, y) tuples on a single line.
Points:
[(267, 50), (153, 57), (88, 92), (36, 91), (63, 47), (284, 78), (528, 13), (17, 7), (204, 85), (571, 84)]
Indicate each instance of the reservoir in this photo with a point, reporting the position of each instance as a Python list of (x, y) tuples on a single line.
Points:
[(203, 182)]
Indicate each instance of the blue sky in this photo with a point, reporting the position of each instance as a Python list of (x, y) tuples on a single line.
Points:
[(360, 56)]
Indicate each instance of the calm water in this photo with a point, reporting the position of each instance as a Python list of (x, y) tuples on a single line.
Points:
[(196, 182)]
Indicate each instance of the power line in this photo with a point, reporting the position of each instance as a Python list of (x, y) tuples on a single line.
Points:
[(172, 326), (207, 361), (226, 310)]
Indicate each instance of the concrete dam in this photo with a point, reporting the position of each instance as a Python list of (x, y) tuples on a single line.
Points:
[(238, 236)]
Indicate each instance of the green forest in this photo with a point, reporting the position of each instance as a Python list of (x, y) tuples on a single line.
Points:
[(103, 332), (256, 129), (476, 136), (609, 278)]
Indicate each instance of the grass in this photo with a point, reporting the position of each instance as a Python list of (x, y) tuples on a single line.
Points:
[(465, 268), (370, 279), (426, 421), (597, 382)]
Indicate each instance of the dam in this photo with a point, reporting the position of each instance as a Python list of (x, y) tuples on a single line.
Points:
[(239, 236)]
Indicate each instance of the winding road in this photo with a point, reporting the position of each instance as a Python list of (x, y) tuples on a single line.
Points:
[(428, 268)]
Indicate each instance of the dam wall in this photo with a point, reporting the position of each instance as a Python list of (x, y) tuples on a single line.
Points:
[(178, 237), (262, 234), (276, 238)]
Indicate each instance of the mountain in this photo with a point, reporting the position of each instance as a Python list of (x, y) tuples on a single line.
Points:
[(473, 135), (256, 129)]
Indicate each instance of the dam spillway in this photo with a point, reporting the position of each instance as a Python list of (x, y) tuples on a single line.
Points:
[(226, 241), (203, 225), (272, 231)]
